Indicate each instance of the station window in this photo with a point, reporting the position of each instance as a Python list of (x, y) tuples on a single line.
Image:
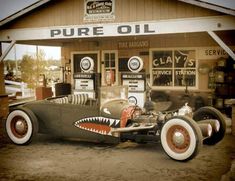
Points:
[(110, 67), (173, 68)]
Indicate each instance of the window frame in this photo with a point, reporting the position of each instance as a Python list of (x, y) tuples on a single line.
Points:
[(171, 87), (104, 68)]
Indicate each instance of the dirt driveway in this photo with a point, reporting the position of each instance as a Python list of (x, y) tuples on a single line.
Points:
[(48, 158)]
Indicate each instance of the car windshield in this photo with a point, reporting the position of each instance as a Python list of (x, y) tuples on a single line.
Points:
[(112, 93)]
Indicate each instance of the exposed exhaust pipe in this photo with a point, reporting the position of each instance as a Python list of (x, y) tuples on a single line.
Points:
[(213, 122), (206, 129)]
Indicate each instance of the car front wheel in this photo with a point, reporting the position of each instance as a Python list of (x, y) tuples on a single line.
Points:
[(181, 138), (21, 126)]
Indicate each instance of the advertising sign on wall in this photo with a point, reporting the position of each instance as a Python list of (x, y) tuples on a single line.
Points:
[(212, 53), (99, 10), (174, 67), (118, 29)]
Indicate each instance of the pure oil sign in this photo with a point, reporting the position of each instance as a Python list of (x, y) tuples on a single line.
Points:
[(103, 30)]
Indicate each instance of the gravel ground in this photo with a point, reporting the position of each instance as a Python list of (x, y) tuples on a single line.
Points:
[(48, 158)]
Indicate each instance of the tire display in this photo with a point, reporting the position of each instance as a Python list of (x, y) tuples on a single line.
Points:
[(21, 126), (181, 138), (211, 113)]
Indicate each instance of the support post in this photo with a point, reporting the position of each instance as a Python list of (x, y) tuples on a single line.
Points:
[(4, 108), (2, 84), (222, 44), (7, 50)]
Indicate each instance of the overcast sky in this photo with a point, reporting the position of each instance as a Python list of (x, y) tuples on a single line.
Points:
[(20, 50), (226, 3), (8, 7)]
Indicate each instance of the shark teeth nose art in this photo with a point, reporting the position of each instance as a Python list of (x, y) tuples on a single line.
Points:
[(100, 125)]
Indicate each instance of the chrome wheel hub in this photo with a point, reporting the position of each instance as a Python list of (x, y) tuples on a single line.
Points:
[(20, 126), (178, 138)]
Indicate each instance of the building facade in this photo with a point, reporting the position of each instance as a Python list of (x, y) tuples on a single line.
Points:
[(180, 43)]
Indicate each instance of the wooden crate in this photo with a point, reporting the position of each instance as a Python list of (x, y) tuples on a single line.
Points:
[(43, 92)]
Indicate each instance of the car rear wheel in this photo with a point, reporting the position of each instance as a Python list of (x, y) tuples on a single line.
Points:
[(211, 113), (21, 126), (181, 138)]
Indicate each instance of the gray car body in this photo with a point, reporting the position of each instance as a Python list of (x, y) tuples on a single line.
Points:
[(59, 119)]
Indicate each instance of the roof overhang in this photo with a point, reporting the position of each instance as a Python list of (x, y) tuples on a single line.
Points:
[(22, 12), (212, 6), (172, 26)]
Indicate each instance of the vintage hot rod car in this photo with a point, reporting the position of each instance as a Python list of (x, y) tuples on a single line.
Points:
[(111, 118)]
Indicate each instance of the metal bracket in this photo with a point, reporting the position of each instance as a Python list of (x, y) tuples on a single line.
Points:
[(222, 44), (134, 127), (7, 50)]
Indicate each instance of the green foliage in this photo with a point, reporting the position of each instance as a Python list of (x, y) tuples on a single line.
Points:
[(30, 68), (33, 66)]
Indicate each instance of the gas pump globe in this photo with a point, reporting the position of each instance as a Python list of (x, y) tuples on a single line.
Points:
[(136, 81), (87, 65)]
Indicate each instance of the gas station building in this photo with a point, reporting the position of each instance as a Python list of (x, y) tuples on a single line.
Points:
[(173, 44)]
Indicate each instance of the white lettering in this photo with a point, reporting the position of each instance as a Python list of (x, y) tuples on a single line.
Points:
[(185, 72), (162, 72), (162, 61)]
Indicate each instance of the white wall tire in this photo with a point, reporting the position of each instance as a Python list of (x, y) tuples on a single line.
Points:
[(21, 126), (181, 138)]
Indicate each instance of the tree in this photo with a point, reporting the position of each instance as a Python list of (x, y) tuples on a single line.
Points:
[(32, 67)]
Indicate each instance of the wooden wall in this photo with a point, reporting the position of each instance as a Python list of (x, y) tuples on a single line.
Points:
[(71, 12), (193, 40), (157, 41), (2, 84)]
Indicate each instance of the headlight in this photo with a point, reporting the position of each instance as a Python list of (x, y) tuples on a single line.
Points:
[(136, 113), (185, 111)]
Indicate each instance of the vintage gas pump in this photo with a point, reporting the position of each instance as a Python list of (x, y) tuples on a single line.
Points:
[(136, 81), (86, 81)]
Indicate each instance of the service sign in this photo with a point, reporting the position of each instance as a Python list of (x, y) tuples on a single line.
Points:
[(212, 53), (99, 10)]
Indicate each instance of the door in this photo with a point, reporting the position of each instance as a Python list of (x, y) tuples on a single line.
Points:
[(77, 57), (109, 67)]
